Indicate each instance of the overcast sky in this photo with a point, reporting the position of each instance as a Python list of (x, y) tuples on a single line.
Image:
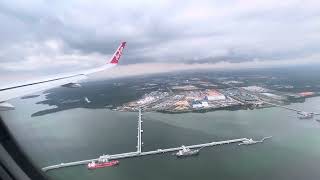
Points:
[(57, 36)]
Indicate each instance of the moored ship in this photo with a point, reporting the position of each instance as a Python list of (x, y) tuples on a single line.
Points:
[(187, 152), (95, 165)]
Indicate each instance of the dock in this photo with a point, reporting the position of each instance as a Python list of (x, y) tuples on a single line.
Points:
[(139, 151), (138, 154), (140, 131), (285, 107), (291, 109)]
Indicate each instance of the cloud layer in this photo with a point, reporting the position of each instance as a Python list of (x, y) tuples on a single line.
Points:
[(55, 36)]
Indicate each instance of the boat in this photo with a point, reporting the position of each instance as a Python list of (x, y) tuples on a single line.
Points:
[(305, 115), (251, 141), (95, 165), (187, 152), (248, 142)]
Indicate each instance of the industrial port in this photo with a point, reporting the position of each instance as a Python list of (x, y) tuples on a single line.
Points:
[(181, 151), (199, 95), (194, 92), (196, 95), (193, 98)]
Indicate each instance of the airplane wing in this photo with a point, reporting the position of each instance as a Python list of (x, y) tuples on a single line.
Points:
[(65, 80)]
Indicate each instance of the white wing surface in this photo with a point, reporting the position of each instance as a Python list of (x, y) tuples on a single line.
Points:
[(67, 80)]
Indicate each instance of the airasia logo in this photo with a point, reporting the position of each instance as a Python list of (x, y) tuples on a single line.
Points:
[(119, 53)]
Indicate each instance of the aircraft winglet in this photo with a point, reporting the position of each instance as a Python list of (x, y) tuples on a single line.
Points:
[(116, 56)]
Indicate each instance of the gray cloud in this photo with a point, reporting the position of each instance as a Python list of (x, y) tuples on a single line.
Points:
[(47, 35)]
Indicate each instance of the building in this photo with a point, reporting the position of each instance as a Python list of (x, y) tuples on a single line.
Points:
[(146, 100), (256, 89), (204, 104), (214, 95), (273, 96), (183, 104), (196, 104), (306, 94)]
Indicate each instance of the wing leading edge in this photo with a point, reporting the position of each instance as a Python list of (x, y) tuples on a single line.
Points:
[(67, 80)]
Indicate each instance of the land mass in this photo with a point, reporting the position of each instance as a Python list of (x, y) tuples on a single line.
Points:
[(189, 91)]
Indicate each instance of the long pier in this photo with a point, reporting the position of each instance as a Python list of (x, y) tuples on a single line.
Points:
[(140, 131), (291, 109), (285, 107), (139, 152)]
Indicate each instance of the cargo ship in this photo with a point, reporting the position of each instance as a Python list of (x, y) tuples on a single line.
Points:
[(187, 152), (95, 165)]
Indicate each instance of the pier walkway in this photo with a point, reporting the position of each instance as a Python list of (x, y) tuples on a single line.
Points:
[(291, 109), (139, 152)]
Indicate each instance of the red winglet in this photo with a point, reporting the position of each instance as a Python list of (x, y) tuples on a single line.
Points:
[(116, 56)]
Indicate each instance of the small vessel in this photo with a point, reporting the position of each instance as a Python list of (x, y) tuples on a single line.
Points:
[(95, 165), (309, 116), (251, 141), (248, 142), (187, 152), (305, 115)]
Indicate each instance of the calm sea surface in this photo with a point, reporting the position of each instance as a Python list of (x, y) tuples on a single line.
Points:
[(78, 134)]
